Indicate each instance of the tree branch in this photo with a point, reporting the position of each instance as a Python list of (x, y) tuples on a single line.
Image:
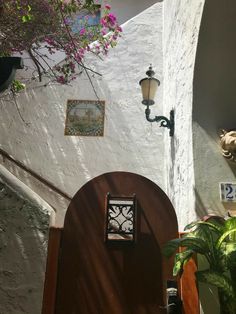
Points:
[(37, 64)]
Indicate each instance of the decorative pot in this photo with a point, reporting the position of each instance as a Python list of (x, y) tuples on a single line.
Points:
[(8, 67)]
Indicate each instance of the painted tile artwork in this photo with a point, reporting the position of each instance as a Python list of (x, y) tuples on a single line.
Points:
[(83, 18), (85, 118)]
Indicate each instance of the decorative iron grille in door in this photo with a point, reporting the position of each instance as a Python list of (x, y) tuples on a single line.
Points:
[(120, 218)]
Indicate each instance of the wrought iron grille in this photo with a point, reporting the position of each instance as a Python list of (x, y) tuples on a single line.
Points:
[(120, 218)]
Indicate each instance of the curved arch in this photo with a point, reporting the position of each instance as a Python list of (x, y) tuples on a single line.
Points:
[(214, 100), (113, 182), (97, 278), (214, 94)]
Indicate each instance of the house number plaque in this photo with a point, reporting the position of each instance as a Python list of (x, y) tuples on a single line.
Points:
[(228, 192)]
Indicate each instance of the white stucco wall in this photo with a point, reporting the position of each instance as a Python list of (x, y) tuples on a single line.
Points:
[(23, 245), (129, 144), (214, 104), (192, 165), (213, 109), (125, 10), (181, 27), (202, 107)]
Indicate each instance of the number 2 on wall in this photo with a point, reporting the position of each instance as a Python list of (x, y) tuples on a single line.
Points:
[(230, 195), (228, 191)]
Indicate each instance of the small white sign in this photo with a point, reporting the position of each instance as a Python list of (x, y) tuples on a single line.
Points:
[(228, 191)]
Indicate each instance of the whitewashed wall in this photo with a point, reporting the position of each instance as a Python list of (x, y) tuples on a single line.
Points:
[(181, 27), (23, 245), (129, 144), (214, 104), (125, 10), (202, 107), (213, 108)]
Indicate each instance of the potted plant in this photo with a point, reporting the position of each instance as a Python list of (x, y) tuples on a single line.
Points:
[(41, 29), (215, 240)]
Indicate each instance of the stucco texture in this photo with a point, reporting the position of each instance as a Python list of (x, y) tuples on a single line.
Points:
[(181, 28), (23, 244), (130, 143), (214, 101)]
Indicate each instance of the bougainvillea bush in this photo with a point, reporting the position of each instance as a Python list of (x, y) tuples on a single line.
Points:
[(43, 28)]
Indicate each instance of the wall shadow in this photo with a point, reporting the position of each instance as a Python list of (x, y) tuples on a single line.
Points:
[(23, 245), (214, 101)]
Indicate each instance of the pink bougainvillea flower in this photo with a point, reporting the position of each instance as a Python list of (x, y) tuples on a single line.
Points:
[(103, 22), (51, 24), (103, 31), (60, 79), (119, 29), (112, 18), (82, 31)]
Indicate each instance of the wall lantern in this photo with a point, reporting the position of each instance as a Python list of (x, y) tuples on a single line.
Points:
[(149, 87)]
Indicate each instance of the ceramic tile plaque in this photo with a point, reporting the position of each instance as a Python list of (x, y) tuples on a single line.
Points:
[(84, 17), (85, 118), (228, 191)]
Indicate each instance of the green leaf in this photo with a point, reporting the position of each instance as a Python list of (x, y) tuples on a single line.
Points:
[(208, 236), (113, 44), (17, 86), (216, 227), (180, 260), (191, 225), (224, 236), (228, 252), (195, 244), (26, 18), (171, 246), (229, 248), (218, 280), (212, 225), (230, 223), (191, 243)]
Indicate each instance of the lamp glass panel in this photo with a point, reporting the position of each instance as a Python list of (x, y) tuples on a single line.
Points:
[(149, 88)]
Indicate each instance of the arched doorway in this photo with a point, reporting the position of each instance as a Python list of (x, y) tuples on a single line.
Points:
[(119, 277)]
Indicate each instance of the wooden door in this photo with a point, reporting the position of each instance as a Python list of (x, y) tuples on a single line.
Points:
[(96, 277)]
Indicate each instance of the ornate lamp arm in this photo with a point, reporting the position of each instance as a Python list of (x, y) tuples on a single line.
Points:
[(166, 123)]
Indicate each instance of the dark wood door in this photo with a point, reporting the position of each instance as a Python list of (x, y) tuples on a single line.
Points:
[(96, 277)]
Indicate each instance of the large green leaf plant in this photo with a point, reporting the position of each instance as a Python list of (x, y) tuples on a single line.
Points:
[(215, 239)]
